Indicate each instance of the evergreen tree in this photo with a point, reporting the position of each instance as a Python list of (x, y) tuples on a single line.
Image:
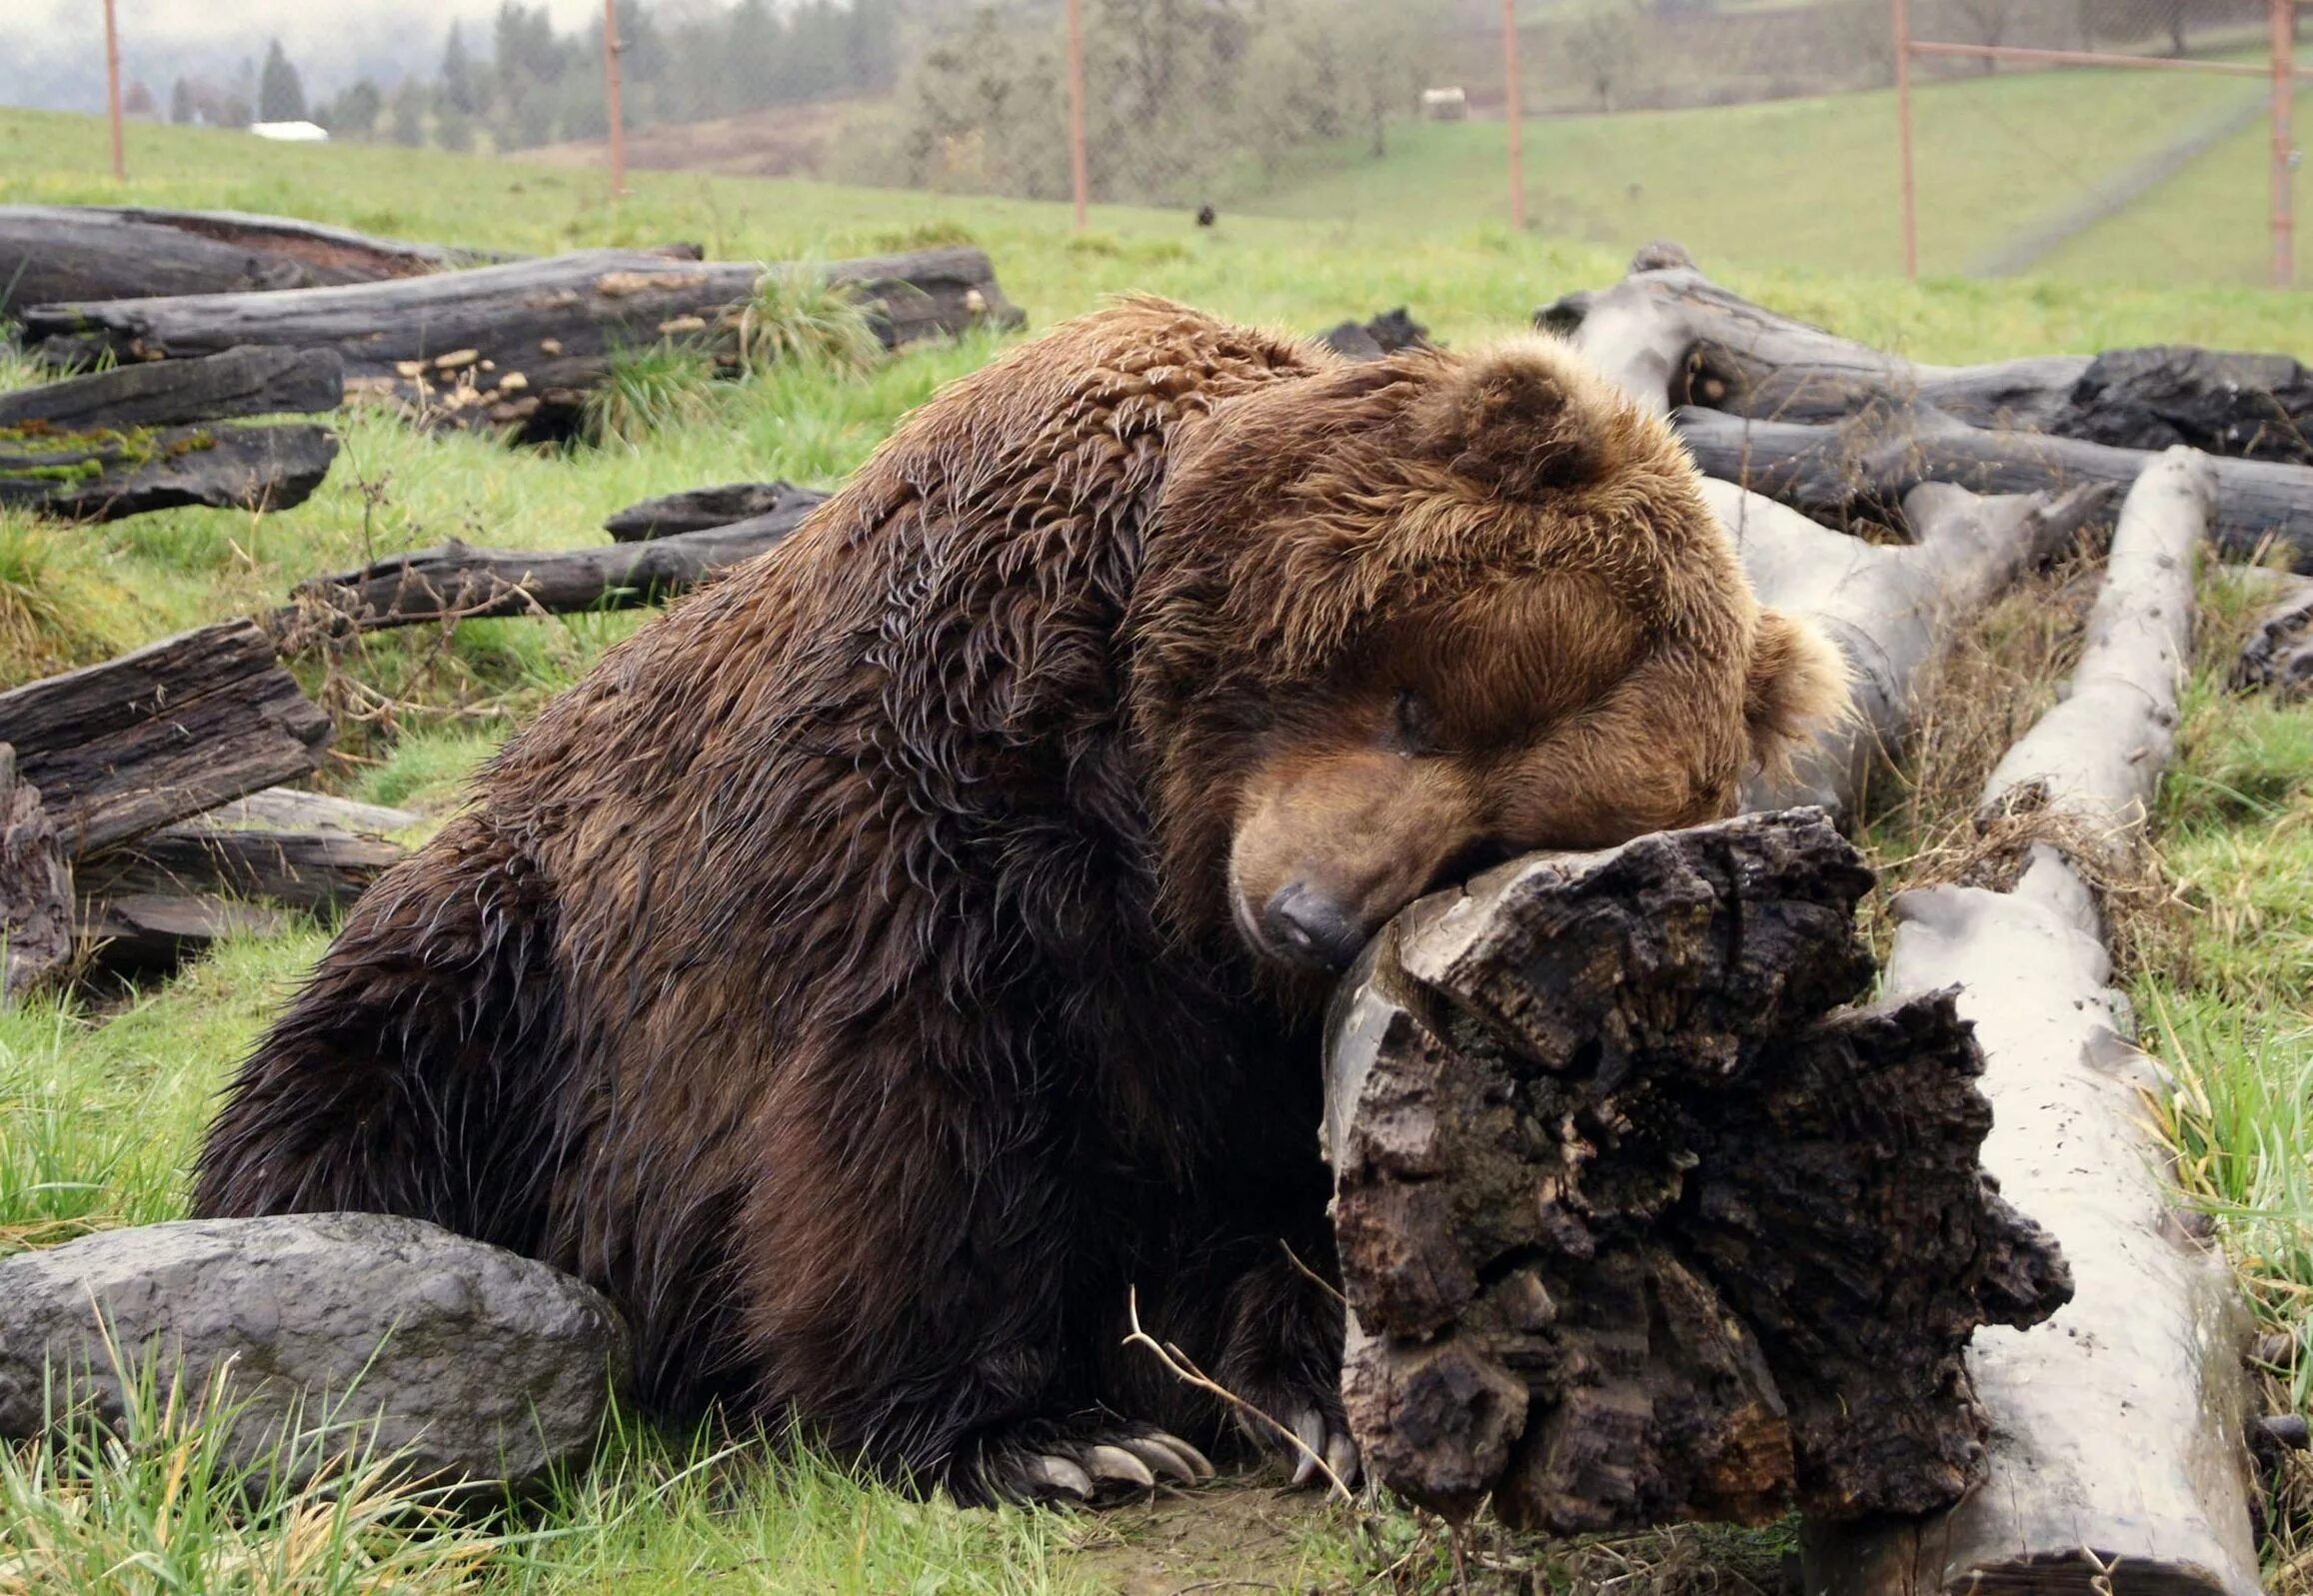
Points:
[(181, 102), (458, 75), (354, 114), (280, 96)]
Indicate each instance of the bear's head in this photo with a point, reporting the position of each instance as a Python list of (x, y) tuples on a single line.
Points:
[(1401, 620)]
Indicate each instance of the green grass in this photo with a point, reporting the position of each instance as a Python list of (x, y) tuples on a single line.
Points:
[(100, 1112)]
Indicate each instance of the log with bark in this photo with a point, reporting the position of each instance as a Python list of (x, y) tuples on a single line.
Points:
[(176, 727), (2117, 1458), (1637, 1223), (1861, 471), (51, 253), (104, 475), (460, 583), (514, 346), (240, 382), (1673, 337), (697, 508), (1888, 607), (35, 888)]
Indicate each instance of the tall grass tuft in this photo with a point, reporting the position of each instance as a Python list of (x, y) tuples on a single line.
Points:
[(799, 316), (49, 608), (649, 390)]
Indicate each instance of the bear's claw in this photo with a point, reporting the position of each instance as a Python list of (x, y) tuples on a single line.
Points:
[(1321, 1440), (1090, 1468), (1171, 1456)]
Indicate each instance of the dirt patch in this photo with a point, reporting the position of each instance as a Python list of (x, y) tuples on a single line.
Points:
[(778, 141), (1237, 1536)]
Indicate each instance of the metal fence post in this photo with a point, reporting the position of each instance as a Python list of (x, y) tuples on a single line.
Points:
[(1903, 24), (2284, 172), (1513, 113), (618, 126), (1077, 179), (112, 89)]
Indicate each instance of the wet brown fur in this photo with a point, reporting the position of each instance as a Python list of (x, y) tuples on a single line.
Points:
[(845, 976)]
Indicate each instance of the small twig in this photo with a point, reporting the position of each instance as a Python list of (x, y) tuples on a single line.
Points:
[(1315, 1278), (1182, 1367)]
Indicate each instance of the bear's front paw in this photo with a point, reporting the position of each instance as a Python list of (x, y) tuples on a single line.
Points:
[(1283, 1358), (1316, 1431), (1098, 1465)]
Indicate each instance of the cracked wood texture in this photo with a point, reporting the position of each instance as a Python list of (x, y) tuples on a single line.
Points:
[(1637, 1223), (516, 346), (35, 888), (174, 728), (2117, 1460)]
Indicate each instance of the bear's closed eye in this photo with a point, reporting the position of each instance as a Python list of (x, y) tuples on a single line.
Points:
[(1414, 728)]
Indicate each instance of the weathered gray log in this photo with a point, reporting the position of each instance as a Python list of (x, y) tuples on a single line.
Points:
[(176, 727), (159, 930), (2119, 1440), (517, 345), (455, 581), (289, 808), (2099, 752), (102, 252), (1673, 337), (697, 508), (2279, 652), (1864, 469), (319, 869), (240, 382), (35, 888), (1888, 607), (1633, 1225), (105, 475)]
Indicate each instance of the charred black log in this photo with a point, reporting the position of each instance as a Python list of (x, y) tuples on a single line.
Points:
[(240, 382), (697, 509), (105, 474)]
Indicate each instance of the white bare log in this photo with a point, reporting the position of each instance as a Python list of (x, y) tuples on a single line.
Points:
[(1887, 608), (2116, 1426), (2099, 752)]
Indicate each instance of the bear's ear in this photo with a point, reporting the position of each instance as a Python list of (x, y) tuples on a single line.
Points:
[(1797, 684), (1523, 420)]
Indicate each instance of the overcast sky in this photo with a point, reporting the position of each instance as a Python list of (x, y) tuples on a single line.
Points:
[(52, 51)]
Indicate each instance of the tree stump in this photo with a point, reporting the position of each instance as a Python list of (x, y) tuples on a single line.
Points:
[(35, 888), (1635, 1224)]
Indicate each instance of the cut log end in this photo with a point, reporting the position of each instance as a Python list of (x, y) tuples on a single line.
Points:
[(1634, 1227)]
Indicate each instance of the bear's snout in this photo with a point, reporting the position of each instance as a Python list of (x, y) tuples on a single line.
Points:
[(1305, 927)]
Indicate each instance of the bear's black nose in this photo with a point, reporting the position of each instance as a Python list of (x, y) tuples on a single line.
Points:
[(1308, 927)]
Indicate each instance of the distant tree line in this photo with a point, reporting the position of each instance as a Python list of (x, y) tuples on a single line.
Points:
[(1180, 94)]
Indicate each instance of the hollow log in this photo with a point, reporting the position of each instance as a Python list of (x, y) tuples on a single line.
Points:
[(1635, 1224), (1864, 469), (2118, 1435), (318, 869), (2279, 652), (240, 382), (455, 581), (697, 508), (1673, 337), (1888, 607), (51, 253), (35, 888), (514, 346), (176, 727), (105, 475)]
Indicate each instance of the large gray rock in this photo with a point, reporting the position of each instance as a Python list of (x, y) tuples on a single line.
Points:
[(483, 1364)]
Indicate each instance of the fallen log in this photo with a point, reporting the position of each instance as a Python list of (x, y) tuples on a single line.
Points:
[(240, 382), (289, 808), (2117, 1456), (1635, 1224), (105, 474), (1673, 337), (143, 931), (2279, 652), (697, 508), (172, 730), (319, 869), (1888, 607), (35, 888), (1862, 470), (514, 346), (51, 253), (459, 583)]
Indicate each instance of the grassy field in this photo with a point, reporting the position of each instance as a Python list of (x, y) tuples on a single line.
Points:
[(1814, 180), (99, 1107)]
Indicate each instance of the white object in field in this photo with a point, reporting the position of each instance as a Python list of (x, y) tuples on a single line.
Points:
[(290, 132), (1444, 105)]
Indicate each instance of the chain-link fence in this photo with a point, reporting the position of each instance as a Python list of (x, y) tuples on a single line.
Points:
[(1997, 137)]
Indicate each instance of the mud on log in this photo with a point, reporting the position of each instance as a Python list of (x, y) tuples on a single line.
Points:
[(514, 346), (1635, 1224), (98, 252), (455, 581), (1862, 470), (1673, 337), (172, 730), (105, 475)]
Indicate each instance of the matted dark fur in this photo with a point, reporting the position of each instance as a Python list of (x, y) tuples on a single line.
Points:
[(854, 974)]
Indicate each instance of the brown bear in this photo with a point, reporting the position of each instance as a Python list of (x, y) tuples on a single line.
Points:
[(911, 945)]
